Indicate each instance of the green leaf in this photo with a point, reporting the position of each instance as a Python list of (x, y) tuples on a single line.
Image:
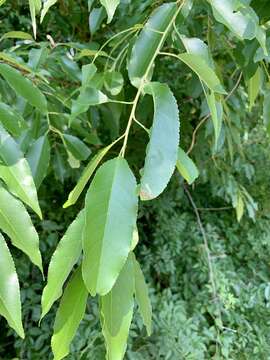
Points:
[(35, 6), (2, 2), (186, 167), (76, 147), (46, 6), (38, 158), (88, 97), (12, 120), (69, 315), (116, 345), (64, 258), (88, 72), (197, 47), (17, 224), (216, 111), (239, 207), (10, 303), (149, 42), (17, 35), (266, 109), (120, 300), (110, 6), (135, 238), (142, 296), (204, 71), (110, 217), (87, 173), (15, 171), (114, 82), (254, 84), (97, 15), (161, 154), (24, 87)]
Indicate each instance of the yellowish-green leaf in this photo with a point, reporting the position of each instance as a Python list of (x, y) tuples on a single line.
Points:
[(16, 173), (161, 154), (17, 224), (254, 84), (110, 217), (186, 167), (10, 302), (110, 6), (69, 315), (64, 258), (216, 111), (17, 35), (239, 207), (35, 6), (46, 6)]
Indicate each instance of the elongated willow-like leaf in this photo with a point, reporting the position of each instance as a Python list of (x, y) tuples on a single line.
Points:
[(216, 111), (10, 302), (161, 155), (203, 70), (120, 300), (64, 258), (186, 167), (88, 172), (110, 217), (198, 48), (46, 6), (110, 6), (254, 84), (241, 20), (116, 345), (38, 158), (142, 296), (11, 120), (69, 315), (17, 35), (24, 87), (15, 171), (149, 42), (17, 224), (266, 109), (35, 6)]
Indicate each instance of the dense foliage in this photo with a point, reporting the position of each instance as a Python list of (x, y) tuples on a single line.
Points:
[(98, 90)]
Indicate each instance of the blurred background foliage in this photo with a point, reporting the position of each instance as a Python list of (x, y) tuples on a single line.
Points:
[(188, 312)]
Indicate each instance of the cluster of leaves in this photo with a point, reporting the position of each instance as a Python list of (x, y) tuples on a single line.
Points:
[(65, 98)]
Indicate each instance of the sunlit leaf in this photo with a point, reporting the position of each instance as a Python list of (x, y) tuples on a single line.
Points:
[(186, 167), (110, 6)]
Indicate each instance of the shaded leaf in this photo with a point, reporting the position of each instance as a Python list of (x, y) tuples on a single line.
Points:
[(110, 217), (11, 120), (114, 82), (24, 87), (76, 147), (254, 84), (97, 15)]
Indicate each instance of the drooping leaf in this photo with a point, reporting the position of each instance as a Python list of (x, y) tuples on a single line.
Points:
[(24, 87), (161, 154), (35, 6), (266, 109), (46, 6), (16, 35), (216, 111), (239, 207), (15, 171), (142, 296), (186, 167), (120, 300), (12, 120), (116, 345), (17, 224), (10, 302), (38, 158), (149, 42), (76, 147), (254, 84), (110, 6), (204, 71), (96, 16), (89, 170), (110, 217), (64, 258), (69, 315)]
